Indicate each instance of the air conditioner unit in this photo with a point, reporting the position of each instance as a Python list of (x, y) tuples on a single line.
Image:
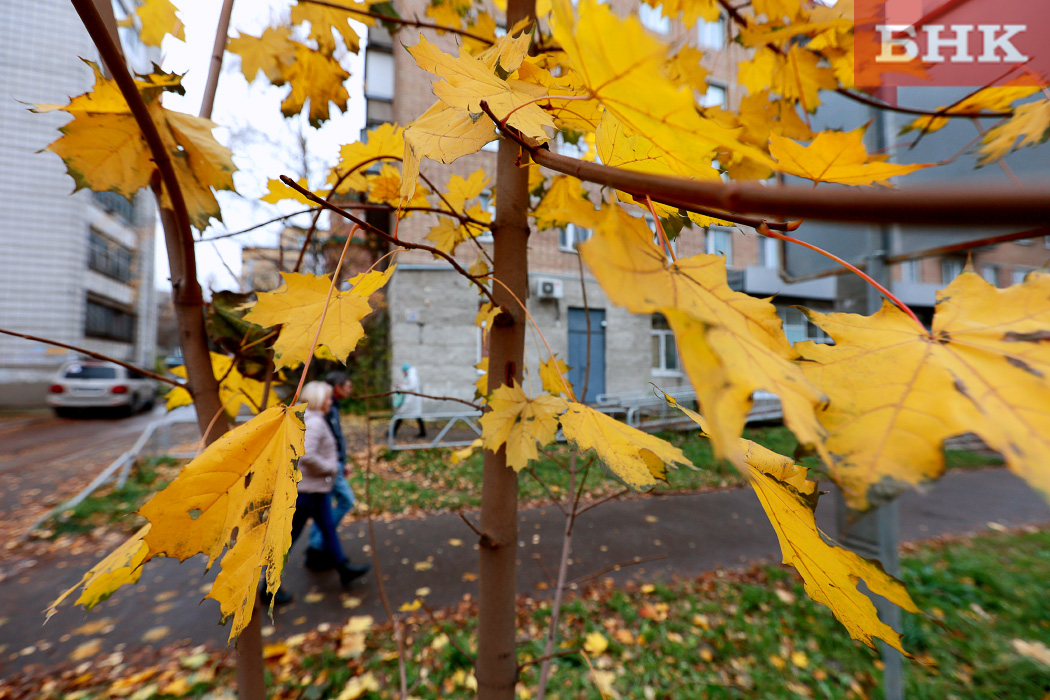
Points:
[(547, 288)]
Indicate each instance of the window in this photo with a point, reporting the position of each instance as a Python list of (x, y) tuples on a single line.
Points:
[(909, 271), (950, 269), (769, 253), (379, 75), (711, 35), (90, 372), (714, 97), (990, 273), (797, 327), (115, 204), (107, 319), (1018, 274), (720, 242), (653, 19), (488, 203), (571, 236), (665, 351), (1046, 241), (108, 257)]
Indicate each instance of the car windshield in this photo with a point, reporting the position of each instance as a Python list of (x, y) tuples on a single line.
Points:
[(90, 372)]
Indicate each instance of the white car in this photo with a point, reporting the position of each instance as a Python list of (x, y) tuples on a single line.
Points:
[(93, 384)]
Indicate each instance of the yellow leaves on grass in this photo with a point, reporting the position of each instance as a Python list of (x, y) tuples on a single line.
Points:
[(297, 304), (897, 391), (523, 424), (637, 459), (617, 60), (104, 150), (731, 343), (836, 156), (237, 497), (830, 572), (235, 390)]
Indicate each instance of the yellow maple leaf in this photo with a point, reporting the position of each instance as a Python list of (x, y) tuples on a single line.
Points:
[(158, 20), (317, 77), (1030, 123), (564, 203), (836, 156), (552, 375), (482, 384), (685, 68), (731, 343), (235, 390), (617, 60), (105, 153), (384, 141), (272, 53), (211, 162), (996, 98), (385, 186), (483, 25), (442, 134), (521, 423), (123, 565), (460, 190), (795, 75), (238, 496), (447, 234), (467, 81), (637, 459), (277, 191), (688, 10), (449, 13), (296, 306), (986, 360), (324, 20), (830, 572)]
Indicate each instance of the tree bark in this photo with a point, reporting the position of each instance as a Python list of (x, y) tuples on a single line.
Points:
[(497, 664)]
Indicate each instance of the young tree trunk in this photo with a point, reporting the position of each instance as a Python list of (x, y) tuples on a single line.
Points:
[(497, 663)]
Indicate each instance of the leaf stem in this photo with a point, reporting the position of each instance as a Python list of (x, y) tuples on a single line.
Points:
[(324, 312), (852, 268), (664, 241)]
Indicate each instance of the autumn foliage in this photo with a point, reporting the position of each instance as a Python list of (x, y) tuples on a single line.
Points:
[(876, 406)]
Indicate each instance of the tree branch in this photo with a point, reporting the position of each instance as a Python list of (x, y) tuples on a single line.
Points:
[(416, 393), (396, 241), (256, 226), (399, 20), (97, 356), (950, 204)]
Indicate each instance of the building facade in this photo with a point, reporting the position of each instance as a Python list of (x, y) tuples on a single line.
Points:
[(76, 268)]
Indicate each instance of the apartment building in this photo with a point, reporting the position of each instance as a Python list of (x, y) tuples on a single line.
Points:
[(432, 309), (76, 268)]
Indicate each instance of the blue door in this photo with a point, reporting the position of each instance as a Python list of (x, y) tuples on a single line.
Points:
[(578, 360)]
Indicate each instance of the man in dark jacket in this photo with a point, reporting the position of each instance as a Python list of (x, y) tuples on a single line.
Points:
[(317, 558)]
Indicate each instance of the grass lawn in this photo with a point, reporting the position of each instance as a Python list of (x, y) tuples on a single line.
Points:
[(749, 635)]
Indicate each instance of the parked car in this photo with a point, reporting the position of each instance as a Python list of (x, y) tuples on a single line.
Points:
[(93, 384)]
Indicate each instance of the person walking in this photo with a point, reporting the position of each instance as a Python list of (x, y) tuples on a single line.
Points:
[(412, 405), (317, 557), (319, 465)]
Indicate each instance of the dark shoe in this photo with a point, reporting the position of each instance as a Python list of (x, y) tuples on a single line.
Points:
[(281, 598), (421, 435), (319, 560), (348, 573)]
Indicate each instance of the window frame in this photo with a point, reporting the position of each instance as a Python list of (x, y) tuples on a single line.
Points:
[(658, 361), (568, 240), (711, 249)]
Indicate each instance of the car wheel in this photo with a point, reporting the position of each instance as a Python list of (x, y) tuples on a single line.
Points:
[(63, 412)]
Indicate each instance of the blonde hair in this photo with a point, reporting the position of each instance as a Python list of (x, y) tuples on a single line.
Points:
[(315, 394)]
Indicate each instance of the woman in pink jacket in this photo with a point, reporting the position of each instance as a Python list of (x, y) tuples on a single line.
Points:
[(319, 464)]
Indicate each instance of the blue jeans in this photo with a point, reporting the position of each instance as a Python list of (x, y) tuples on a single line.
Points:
[(317, 507), (343, 499)]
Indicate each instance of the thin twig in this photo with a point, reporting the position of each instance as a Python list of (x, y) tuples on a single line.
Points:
[(485, 540), (615, 567), (274, 220), (98, 356), (405, 244), (399, 20), (554, 499), (547, 657), (579, 491), (416, 393), (539, 560), (610, 497)]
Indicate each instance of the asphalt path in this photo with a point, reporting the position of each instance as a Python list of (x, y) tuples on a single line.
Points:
[(641, 539)]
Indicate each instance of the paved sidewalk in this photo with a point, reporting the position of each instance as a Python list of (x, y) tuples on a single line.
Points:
[(694, 533)]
